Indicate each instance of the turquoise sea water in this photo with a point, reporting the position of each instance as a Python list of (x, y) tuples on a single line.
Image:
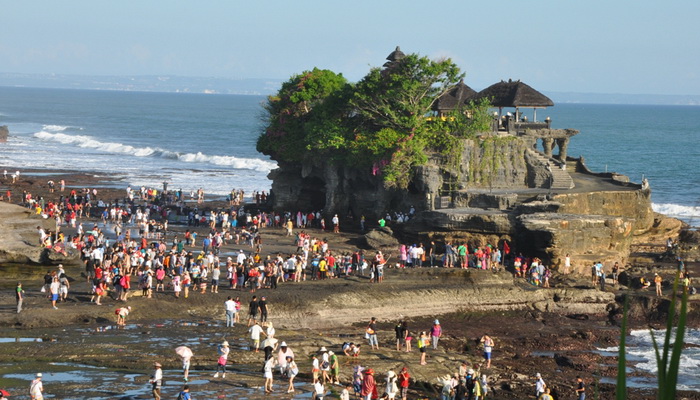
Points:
[(197, 140)]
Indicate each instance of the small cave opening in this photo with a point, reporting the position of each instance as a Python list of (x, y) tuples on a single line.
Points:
[(312, 196)]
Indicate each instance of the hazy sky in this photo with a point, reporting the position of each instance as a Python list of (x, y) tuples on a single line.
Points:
[(649, 47)]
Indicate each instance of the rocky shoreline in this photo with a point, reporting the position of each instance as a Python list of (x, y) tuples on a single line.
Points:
[(553, 331)]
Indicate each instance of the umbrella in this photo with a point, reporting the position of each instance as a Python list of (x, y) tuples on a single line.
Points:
[(183, 351), (4, 393)]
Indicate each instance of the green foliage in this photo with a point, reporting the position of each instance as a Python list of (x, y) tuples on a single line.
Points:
[(382, 122), (667, 358)]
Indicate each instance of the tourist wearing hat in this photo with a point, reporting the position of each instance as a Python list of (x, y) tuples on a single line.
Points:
[(223, 351), (540, 386), (435, 333), (369, 385), (282, 355), (156, 380), (391, 388), (36, 388)]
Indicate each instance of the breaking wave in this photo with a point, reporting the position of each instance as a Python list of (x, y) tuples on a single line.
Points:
[(677, 210), (120, 148)]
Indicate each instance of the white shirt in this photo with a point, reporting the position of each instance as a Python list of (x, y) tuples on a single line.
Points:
[(230, 305), (255, 332), (36, 388)]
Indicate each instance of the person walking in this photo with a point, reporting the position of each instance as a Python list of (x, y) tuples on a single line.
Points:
[(156, 381), (186, 354), (185, 393), (267, 372), (404, 381), (223, 351), (580, 388), (292, 371), (36, 388), (19, 296)]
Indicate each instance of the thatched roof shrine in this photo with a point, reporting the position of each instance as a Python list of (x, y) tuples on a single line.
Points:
[(514, 94), (458, 96)]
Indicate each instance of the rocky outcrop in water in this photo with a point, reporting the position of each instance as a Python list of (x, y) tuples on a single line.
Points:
[(4, 133)]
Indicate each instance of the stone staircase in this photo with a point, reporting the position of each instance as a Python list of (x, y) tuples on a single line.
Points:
[(561, 180)]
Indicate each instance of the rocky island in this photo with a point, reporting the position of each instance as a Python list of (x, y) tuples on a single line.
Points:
[(409, 136)]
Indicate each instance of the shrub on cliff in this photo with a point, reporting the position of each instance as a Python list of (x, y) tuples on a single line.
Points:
[(383, 124)]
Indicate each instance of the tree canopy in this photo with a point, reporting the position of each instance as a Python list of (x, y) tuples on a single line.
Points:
[(383, 122)]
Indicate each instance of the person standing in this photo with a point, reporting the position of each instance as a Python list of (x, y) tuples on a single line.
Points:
[(422, 344), (372, 333), (540, 386), (253, 308), (658, 280), (369, 386), (230, 312), (156, 381), (262, 306), (19, 296), (36, 388), (400, 335), (435, 334), (54, 289), (580, 388), (488, 347), (404, 382), (391, 388)]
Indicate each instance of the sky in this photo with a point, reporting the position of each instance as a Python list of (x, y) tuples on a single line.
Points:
[(592, 46)]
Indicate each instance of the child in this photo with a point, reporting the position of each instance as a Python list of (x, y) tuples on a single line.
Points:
[(319, 390)]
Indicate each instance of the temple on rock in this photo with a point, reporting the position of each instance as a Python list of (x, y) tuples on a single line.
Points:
[(515, 182)]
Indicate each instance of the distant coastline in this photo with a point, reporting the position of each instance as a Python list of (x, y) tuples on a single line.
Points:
[(260, 86)]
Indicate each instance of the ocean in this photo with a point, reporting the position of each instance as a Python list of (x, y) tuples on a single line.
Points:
[(640, 354), (203, 140)]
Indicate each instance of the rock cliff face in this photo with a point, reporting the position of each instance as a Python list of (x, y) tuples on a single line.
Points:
[(598, 221), (490, 162), (4, 133)]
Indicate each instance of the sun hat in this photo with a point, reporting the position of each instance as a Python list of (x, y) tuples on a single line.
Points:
[(330, 353), (538, 375), (283, 344), (437, 322), (225, 343), (470, 372), (391, 374), (39, 375), (369, 371), (323, 349), (157, 364)]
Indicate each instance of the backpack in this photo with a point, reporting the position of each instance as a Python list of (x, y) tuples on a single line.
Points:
[(181, 396)]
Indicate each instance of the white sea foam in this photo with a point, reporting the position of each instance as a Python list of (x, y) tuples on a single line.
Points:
[(55, 128), (677, 210), (640, 347), (120, 148)]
